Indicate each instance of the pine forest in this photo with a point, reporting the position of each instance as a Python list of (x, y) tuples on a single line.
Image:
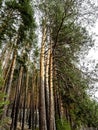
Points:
[(42, 86)]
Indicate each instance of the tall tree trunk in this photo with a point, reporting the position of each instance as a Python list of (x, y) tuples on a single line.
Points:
[(25, 98), (33, 100), (42, 108), (30, 113), (47, 88), (52, 110), (8, 89), (32, 103), (17, 102), (36, 102), (56, 93)]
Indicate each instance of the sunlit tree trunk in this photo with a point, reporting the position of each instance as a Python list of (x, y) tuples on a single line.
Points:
[(33, 101), (42, 108), (51, 110), (47, 87)]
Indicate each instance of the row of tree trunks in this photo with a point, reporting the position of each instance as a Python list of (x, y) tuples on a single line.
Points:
[(16, 105), (46, 91), (8, 86)]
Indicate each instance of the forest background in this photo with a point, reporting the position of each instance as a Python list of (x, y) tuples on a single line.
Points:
[(41, 85)]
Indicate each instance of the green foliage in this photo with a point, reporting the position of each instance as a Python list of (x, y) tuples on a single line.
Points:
[(67, 37), (70, 37), (4, 124), (26, 11), (0, 3), (2, 102), (62, 124), (37, 129)]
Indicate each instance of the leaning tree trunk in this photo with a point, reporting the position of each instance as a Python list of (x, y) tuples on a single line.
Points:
[(42, 108)]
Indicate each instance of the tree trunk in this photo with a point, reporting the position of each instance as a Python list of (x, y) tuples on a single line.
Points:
[(8, 89), (52, 110), (33, 101), (47, 88), (17, 102), (25, 98), (42, 108)]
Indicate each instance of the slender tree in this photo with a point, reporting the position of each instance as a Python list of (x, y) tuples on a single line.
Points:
[(42, 107)]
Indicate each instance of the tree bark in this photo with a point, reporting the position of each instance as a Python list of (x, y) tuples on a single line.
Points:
[(17, 102), (47, 87), (52, 110), (25, 98), (8, 89), (42, 108)]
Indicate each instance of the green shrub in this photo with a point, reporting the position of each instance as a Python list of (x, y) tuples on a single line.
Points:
[(62, 124)]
